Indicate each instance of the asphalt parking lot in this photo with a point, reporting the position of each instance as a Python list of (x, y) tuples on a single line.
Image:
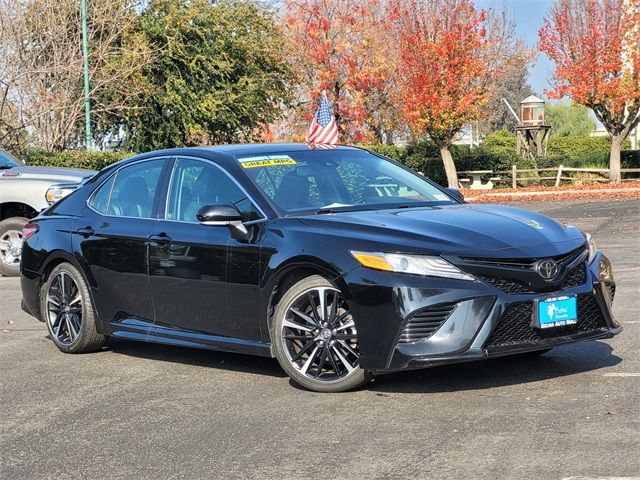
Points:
[(137, 411)]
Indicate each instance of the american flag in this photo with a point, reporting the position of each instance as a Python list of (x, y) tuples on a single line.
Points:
[(323, 131)]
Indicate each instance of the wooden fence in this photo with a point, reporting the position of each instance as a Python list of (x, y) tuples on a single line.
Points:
[(559, 175)]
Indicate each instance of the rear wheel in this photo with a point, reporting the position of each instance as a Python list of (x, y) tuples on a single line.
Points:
[(11, 245), (315, 337), (67, 310)]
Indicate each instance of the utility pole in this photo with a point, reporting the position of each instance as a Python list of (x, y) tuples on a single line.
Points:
[(85, 54)]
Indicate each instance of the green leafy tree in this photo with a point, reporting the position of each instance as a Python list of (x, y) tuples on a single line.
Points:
[(220, 74), (568, 120)]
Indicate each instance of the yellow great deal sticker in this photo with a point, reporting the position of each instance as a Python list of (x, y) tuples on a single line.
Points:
[(267, 161)]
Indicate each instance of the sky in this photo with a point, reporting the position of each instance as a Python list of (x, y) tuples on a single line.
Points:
[(529, 16)]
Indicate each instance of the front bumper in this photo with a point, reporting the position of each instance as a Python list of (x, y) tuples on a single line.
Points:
[(483, 322)]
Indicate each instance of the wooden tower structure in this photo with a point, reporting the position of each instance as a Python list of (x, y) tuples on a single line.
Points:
[(532, 134)]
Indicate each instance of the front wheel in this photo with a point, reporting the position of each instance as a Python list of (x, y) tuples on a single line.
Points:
[(67, 310), (315, 337)]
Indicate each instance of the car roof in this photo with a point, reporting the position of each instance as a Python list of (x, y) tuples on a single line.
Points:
[(264, 148), (227, 153)]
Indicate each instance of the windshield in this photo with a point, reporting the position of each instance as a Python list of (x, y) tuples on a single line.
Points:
[(317, 181), (7, 160)]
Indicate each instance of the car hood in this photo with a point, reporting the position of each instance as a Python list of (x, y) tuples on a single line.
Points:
[(472, 230), (52, 174)]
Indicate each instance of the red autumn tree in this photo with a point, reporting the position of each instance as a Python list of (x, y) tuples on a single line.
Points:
[(336, 47), (450, 55), (595, 45)]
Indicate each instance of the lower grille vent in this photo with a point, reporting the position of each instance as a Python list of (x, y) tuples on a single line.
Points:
[(425, 322), (611, 288), (514, 327)]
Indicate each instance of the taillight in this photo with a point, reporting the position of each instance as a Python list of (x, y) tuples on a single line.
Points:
[(29, 229)]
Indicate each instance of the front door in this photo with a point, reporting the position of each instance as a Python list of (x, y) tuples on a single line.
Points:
[(189, 262)]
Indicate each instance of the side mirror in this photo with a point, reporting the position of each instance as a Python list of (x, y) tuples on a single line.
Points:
[(221, 215), (455, 193)]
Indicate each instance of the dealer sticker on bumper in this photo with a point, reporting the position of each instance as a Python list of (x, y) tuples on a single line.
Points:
[(555, 312)]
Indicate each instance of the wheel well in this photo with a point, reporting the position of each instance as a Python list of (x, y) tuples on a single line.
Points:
[(51, 265), (289, 279), (16, 209)]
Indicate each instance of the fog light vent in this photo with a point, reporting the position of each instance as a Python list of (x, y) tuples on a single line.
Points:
[(424, 323)]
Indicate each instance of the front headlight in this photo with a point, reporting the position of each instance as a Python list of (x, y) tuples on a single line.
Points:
[(55, 194), (591, 245), (414, 264)]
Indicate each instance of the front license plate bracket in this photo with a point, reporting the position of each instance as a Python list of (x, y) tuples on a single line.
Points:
[(555, 312)]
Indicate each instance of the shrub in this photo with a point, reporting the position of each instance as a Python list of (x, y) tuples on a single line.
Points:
[(74, 158)]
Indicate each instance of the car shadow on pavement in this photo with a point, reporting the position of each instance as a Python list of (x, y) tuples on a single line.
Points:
[(562, 361), (499, 372), (198, 357)]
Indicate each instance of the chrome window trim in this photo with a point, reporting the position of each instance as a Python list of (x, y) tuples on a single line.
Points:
[(88, 201), (224, 171), (265, 217)]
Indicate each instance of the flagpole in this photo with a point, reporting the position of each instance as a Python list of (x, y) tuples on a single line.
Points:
[(85, 57)]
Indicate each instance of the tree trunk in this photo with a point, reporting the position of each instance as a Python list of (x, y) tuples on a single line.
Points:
[(449, 167), (614, 158)]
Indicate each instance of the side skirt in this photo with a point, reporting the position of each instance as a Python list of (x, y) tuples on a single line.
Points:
[(142, 331)]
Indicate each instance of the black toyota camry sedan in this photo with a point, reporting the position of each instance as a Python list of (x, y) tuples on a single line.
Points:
[(340, 263)]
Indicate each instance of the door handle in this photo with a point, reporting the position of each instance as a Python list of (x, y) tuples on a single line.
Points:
[(162, 239), (86, 232)]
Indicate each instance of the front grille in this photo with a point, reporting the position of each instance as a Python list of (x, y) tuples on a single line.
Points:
[(508, 285), (514, 327), (575, 277), (526, 263), (425, 322)]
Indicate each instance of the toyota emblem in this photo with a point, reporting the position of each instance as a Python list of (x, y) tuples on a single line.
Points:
[(547, 269)]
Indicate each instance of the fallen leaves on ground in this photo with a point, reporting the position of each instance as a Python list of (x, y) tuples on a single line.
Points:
[(592, 191)]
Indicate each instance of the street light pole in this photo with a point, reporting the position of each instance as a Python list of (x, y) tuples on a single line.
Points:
[(85, 54)]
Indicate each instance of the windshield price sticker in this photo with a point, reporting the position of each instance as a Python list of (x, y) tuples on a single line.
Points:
[(267, 161)]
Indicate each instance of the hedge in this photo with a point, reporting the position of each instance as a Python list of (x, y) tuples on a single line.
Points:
[(497, 153), (73, 158)]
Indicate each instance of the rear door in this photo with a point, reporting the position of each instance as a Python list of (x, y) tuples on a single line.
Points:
[(112, 237)]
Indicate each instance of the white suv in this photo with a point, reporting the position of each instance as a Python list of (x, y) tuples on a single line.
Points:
[(24, 192)]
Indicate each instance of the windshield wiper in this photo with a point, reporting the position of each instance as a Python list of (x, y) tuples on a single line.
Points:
[(327, 210), (6, 167), (334, 208)]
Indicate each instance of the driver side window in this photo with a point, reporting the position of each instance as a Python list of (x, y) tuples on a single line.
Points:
[(196, 183)]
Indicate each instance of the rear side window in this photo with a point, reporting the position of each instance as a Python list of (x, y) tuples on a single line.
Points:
[(130, 192), (100, 199)]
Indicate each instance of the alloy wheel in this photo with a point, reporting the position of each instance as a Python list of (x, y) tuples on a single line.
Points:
[(64, 308), (319, 335), (11, 247)]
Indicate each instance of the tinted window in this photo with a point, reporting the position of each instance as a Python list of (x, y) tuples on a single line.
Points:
[(337, 179), (130, 192), (100, 199), (196, 183)]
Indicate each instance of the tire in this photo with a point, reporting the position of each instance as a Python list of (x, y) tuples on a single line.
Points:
[(10, 251), (66, 307), (317, 347)]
